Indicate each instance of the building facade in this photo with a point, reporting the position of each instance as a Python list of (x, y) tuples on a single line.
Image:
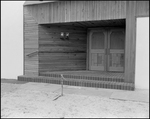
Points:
[(92, 36)]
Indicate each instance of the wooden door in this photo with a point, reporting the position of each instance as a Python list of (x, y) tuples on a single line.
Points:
[(115, 52), (97, 50)]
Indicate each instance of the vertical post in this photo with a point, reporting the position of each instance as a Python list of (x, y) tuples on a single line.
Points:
[(62, 84), (130, 41)]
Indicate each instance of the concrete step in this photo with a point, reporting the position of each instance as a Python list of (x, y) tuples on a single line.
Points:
[(79, 82), (77, 76)]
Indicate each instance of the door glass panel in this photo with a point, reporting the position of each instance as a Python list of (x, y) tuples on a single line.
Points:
[(98, 40), (117, 40)]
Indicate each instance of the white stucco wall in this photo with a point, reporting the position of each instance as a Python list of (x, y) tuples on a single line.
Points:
[(142, 53), (11, 39)]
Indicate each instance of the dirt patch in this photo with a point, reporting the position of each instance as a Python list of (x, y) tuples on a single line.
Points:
[(7, 88), (36, 100)]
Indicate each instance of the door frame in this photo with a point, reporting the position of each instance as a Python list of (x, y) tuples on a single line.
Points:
[(88, 55)]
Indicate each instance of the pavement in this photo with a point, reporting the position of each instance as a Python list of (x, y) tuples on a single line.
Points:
[(13, 81), (139, 95)]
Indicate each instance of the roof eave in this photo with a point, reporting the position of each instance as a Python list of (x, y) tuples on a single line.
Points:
[(37, 2)]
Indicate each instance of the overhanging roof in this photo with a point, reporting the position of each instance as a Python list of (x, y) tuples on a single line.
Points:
[(91, 24), (38, 2)]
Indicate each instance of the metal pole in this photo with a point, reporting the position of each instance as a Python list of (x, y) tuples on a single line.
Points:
[(62, 79), (62, 84)]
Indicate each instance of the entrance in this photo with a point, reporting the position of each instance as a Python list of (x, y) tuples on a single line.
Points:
[(106, 49)]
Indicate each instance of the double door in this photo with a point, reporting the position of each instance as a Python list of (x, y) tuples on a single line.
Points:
[(106, 50)]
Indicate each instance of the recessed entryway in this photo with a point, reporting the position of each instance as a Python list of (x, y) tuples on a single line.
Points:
[(106, 49)]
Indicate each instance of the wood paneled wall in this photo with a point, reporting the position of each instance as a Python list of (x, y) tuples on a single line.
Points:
[(142, 8), (55, 54), (58, 55), (30, 44), (71, 11), (134, 9), (130, 42)]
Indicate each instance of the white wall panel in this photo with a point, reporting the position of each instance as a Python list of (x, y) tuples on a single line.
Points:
[(142, 53), (11, 39)]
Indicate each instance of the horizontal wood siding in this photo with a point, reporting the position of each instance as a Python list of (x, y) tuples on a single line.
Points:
[(58, 55), (71, 11), (30, 43)]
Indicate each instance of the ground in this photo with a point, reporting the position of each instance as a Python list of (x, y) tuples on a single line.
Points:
[(38, 100)]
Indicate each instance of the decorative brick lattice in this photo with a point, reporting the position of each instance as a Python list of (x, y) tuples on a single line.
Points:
[(87, 79)]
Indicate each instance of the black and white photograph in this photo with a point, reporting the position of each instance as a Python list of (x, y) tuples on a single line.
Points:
[(74, 59)]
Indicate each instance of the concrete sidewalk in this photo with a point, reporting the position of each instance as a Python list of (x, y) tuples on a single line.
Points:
[(137, 95), (13, 81)]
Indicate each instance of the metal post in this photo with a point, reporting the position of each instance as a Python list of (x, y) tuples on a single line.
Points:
[(62, 78)]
